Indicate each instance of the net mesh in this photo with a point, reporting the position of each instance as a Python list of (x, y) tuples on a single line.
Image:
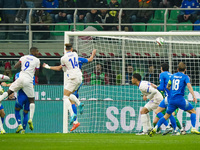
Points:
[(112, 103)]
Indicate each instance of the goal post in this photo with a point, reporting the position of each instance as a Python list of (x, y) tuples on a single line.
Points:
[(112, 103)]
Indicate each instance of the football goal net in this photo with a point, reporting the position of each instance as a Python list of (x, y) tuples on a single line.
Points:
[(112, 103)]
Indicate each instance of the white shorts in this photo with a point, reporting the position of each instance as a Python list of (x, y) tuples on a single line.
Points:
[(151, 105), (25, 84), (73, 84)]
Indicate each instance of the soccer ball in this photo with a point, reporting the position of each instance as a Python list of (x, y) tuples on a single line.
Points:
[(159, 41)]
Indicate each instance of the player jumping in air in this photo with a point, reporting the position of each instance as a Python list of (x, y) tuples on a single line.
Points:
[(74, 100), (29, 66), (22, 102), (176, 85), (74, 97), (69, 64)]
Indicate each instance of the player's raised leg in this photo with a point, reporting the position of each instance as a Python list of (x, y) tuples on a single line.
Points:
[(76, 100), (68, 105)]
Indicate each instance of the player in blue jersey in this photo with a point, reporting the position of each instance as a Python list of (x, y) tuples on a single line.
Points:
[(22, 102), (74, 97), (164, 78), (177, 84)]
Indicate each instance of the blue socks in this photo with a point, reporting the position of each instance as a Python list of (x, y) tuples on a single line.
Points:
[(160, 122), (173, 121), (2, 120), (193, 119), (160, 115), (25, 121), (74, 110), (18, 117)]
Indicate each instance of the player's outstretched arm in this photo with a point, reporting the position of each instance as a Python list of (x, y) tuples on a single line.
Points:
[(192, 92), (56, 68), (92, 56)]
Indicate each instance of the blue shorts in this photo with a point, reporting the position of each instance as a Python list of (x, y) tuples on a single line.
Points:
[(164, 103), (178, 102), (76, 92), (22, 101), (1, 107)]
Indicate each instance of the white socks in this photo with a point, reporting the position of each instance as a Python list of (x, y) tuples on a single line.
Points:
[(149, 122), (74, 99), (32, 110), (68, 105), (144, 121), (4, 95)]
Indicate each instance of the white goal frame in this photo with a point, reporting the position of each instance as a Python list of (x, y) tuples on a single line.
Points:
[(102, 33)]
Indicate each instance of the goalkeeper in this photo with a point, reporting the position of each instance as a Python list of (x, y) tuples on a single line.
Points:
[(164, 78)]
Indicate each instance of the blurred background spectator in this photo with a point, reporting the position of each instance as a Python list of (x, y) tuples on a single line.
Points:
[(29, 4), (129, 16), (40, 17), (8, 72), (9, 15), (98, 76), (144, 15), (129, 74), (65, 15), (111, 73), (82, 13), (104, 17), (151, 75), (188, 15), (51, 4), (114, 13), (95, 4)]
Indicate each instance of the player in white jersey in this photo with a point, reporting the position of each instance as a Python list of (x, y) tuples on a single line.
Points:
[(30, 65), (69, 64), (150, 93)]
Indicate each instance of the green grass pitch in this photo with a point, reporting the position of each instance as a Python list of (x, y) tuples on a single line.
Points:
[(96, 141)]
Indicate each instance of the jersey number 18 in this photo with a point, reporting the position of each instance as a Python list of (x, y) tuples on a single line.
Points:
[(175, 85)]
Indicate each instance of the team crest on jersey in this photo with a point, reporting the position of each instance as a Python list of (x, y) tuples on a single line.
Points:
[(193, 4), (53, 3)]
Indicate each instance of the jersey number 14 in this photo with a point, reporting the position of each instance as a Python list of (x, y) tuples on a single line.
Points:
[(74, 62)]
